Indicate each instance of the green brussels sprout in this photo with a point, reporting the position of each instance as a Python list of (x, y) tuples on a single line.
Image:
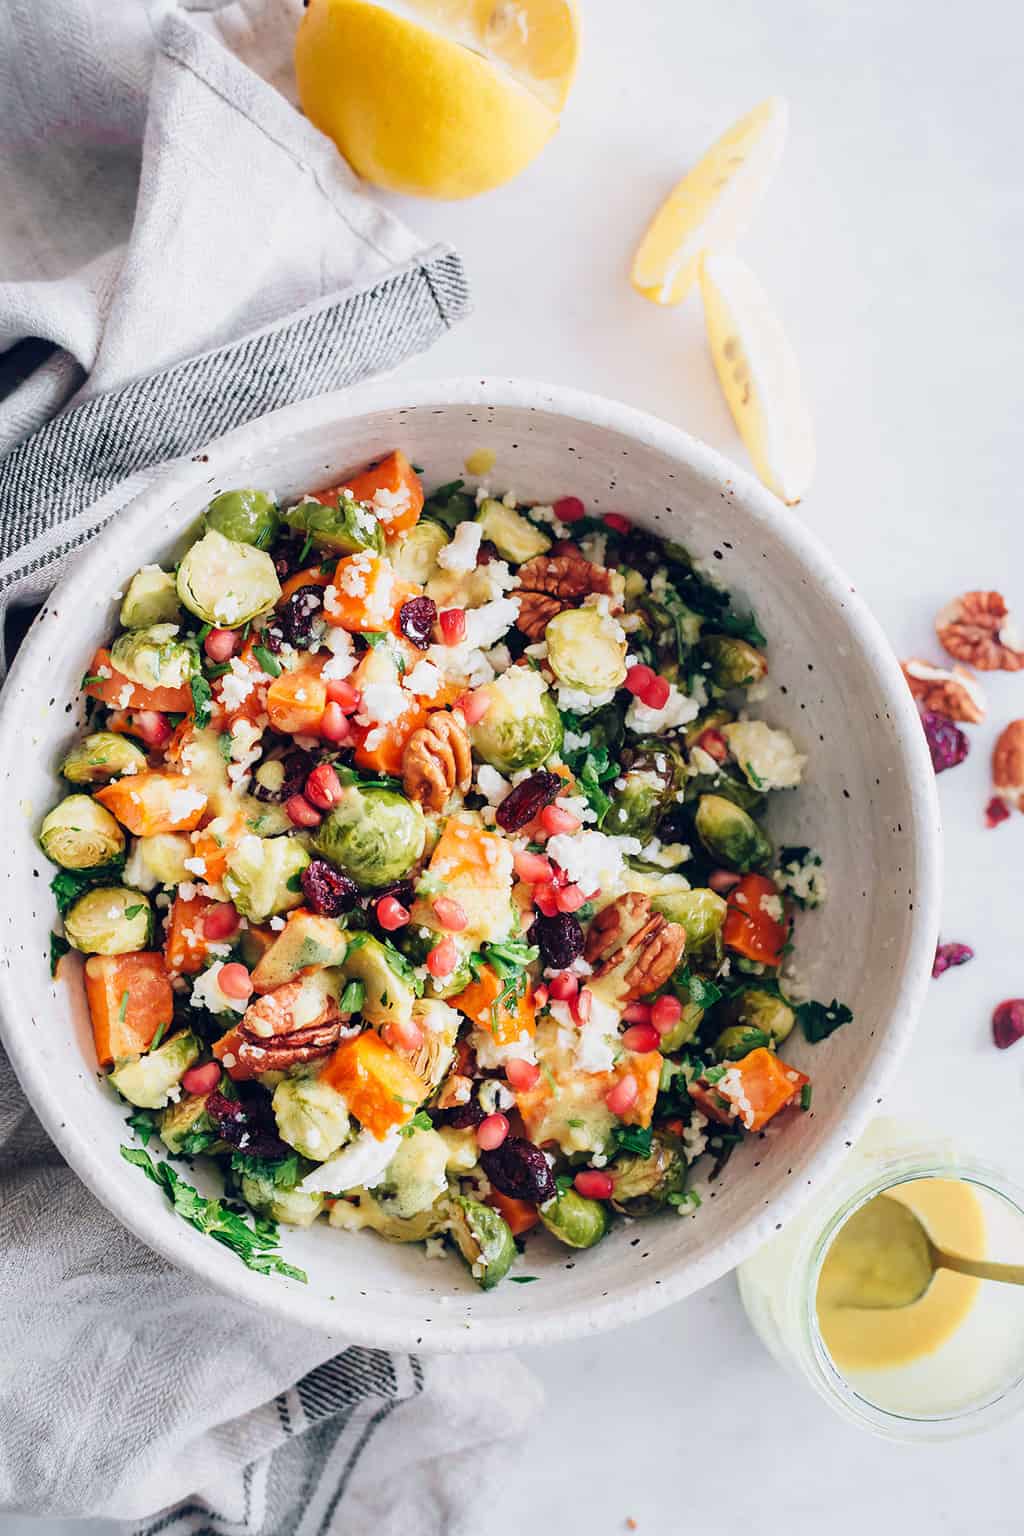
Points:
[(159, 860), (586, 650), (416, 556), (513, 535), (180, 1123), (311, 1116), (151, 598), (731, 662), (700, 911), (153, 657), (606, 727), (462, 1148), (80, 834), (416, 1177), (450, 505), (344, 529), (227, 584), (109, 920), (707, 720), (728, 783), (685, 1027), (147, 1082), (643, 1184), (389, 992), (522, 727), (758, 1010), (102, 756), (670, 628), (730, 835), (440, 1024), (575, 1220), (375, 835), (291, 1207), (652, 772), (484, 1239), (245, 517), (738, 1040), (262, 877), (412, 943), (363, 1210)]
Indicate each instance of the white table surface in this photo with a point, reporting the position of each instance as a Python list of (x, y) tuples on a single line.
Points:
[(893, 245)]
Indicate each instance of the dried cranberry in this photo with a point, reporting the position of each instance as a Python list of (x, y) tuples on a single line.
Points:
[(520, 1170), (297, 765), (416, 620), (559, 938), (403, 891), (1008, 1023), (297, 616), (288, 557), (487, 553), (462, 1117), (529, 797), (951, 954), (946, 742), (996, 811), (328, 891), (271, 637), (240, 1125)]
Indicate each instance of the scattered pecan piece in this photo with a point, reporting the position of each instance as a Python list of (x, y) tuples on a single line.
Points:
[(644, 947), (1008, 764), (455, 1092), (955, 693), (268, 1040), (548, 584), (437, 761), (536, 612), (976, 627)]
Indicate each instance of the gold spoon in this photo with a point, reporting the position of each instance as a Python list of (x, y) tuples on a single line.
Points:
[(883, 1257)]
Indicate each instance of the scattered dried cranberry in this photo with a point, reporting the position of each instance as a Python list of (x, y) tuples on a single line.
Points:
[(296, 617), (240, 1125), (559, 938), (946, 742), (328, 891), (951, 954), (416, 620), (298, 765), (462, 1117), (1007, 1024), (487, 552), (404, 892), (996, 811), (520, 1170), (288, 558), (527, 800)]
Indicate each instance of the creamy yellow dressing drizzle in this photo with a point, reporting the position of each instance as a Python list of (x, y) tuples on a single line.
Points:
[(481, 462)]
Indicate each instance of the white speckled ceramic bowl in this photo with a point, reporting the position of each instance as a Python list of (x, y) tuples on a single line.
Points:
[(868, 805)]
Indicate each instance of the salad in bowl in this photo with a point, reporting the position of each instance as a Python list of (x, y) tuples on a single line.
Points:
[(416, 848)]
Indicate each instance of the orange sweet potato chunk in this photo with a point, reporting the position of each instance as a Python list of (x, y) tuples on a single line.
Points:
[(381, 1089), (129, 998)]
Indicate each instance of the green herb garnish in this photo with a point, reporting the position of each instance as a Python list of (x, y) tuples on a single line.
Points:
[(202, 695), (59, 947), (161, 1030), (68, 884), (352, 997), (420, 1121), (143, 1123), (818, 1021), (268, 663)]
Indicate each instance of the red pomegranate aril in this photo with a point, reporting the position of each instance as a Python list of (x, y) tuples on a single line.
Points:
[(202, 1080), (219, 922), (581, 1005), (1008, 1023), (323, 787), (491, 1131), (641, 1037), (656, 694), (453, 625), (722, 881), (570, 898), (623, 1096), (666, 1013), (405, 1033), (301, 813), (563, 987), (473, 705), (996, 811), (442, 959), (569, 509), (637, 1013), (534, 868), (221, 644), (592, 1184), (617, 523), (714, 744), (344, 695), (154, 728), (234, 981), (639, 678), (545, 899), (522, 1075), (555, 820), (391, 914), (450, 914), (334, 724)]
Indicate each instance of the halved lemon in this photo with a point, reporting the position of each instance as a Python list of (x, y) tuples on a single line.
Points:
[(712, 205), (438, 98), (759, 375)]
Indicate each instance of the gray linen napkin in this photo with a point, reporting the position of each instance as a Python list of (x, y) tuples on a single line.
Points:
[(179, 252)]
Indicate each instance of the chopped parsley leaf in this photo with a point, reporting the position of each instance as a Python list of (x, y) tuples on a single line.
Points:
[(59, 947), (818, 1021), (268, 662)]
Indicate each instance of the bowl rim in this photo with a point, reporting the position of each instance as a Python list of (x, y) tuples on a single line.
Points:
[(156, 1225)]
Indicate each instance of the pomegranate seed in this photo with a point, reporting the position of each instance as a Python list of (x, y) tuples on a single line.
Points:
[(592, 1184), (406, 1034), (714, 744), (522, 1075), (491, 1132), (656, 696), (639, 678), (569, 509), (201, 1080), (391, 914), (623, 1096), (453, 625), (154, 729), (343, 694), (234, 981), (617, 523), (219, 922), (450, 914), (473, 705), (996, 811), (570, 898), (534, 868), (443, 958), (1008, 1023), (637, 1013), (540, 996), (221, 644), (334, 724), (641, 1037), (323, 787), (563, 987), (581, 1005), (301, 813), (545, 900), (555, 820), (666, 1013), (723, 880)]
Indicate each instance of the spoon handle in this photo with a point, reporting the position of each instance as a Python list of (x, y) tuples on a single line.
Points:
[(981, 1269)]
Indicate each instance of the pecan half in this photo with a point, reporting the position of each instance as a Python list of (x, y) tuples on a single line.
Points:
[(642, 946), (955, 694), (1008, 764), (437, 760), (548, 584), (536, 610), (269, 1039), (976, 627)]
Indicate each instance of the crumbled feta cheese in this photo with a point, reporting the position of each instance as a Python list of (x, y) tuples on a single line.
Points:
[(342, 659), (678, 709), (390, 504), (768, 757), (425, 679), (803, 877), (461, 553), (360, 1165), (196, 866), (237, 684), (575, 742), (490, 1054), (590, 859), (181, 803), (382, 703), (546, 514), (702, 761), (124, 698), (579, 702), (500, 658), (487, 625), (491, 784), (593, 548), (694, 1139), (731, 1088)]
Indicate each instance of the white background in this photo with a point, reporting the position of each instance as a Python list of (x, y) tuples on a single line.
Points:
[(893, 245)]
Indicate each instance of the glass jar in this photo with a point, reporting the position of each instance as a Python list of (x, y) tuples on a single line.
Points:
[(975, 1377)]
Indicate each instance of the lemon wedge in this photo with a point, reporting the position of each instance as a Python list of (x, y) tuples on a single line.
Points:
[(758, 372), (437, 98), (712, 205)]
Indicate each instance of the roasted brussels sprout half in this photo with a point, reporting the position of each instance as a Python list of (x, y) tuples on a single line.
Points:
[(148, 1081), (450, 505), (416, 946), (700, 911), (416, 1177), (187, 1124), (151, 598), (153, 657), (685, 1027), (440, 1024), (707, 720), (388, 994), (730, 835), (643, 1184), (522, 727), (159, 860), (513, 536), (652, 772), (102, 756), (375, 835), (587, 650), (738, 1040), (225, 583), (311, 1116), (344, 528), (728, 783), (109, 920), (731, 662), (575, 1220), (484, 1240), (416, 556), (80, 834), (363, 1210), (761, 1011), (263, 875), (291, 1207), (670, 628), (245, 517)]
